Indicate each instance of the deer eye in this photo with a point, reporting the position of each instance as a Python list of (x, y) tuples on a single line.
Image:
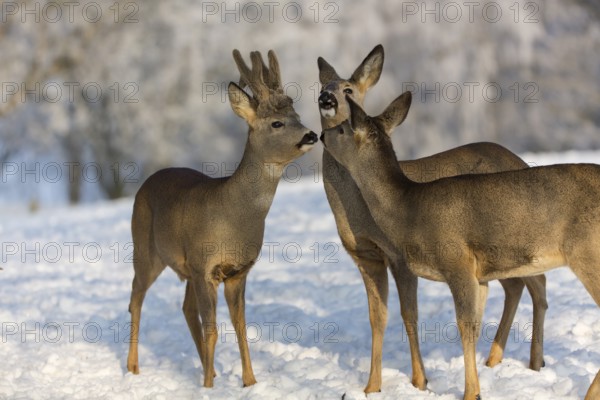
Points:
[(348, 91), (277, 124), (341, 130)]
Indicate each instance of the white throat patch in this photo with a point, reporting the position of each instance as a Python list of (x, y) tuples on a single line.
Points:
[(327, 113), (306, 147)]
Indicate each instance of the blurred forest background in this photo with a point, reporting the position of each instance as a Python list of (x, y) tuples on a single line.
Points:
[(97, 95)]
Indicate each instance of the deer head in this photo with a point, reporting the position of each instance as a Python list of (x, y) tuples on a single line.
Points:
[(362, 137), (332, 104), (276, 133)]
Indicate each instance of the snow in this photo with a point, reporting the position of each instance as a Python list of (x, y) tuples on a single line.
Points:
[(66, 285)]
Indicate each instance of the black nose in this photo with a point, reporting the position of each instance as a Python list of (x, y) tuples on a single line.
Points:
[(327, 100), (309, 138)]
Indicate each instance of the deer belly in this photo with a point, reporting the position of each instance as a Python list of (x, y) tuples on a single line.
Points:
[(517, 267)]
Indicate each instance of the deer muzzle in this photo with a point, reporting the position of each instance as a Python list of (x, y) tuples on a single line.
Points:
[(328, 104), (308, 139)]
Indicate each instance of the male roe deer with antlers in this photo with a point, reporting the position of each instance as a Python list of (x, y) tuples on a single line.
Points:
[(371, 250), (210, 230), (470, 229)]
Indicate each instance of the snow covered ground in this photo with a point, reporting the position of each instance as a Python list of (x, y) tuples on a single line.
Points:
[(66, 285)]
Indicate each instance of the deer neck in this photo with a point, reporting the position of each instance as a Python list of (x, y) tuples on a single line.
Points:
[(384, 187), (327, 123), (254, 182), (333, 172)]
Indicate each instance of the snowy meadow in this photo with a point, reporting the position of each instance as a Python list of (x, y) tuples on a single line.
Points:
[(66, 286), (92, 104)]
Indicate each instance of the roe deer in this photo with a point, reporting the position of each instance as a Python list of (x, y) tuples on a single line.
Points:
[(469, 229), (371, 250), (210, 230)]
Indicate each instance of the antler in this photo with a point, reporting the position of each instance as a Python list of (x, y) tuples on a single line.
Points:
[(265, 83), (253, 78), (260, 79), (275, 73)]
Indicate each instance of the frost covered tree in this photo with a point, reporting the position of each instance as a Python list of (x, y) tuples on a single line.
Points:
[(143, 85)]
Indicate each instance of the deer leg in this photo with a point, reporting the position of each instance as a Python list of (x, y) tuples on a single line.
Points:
[(593, 392), (406, 283), (142, 280), (374, 274), (135, 309), (591, 281), (192, 317), (206, 300), (235, 289), (583, 263), (469, 300), (536, 285), (513, 289)]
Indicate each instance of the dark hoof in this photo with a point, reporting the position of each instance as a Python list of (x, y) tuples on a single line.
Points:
[(344, 396), (478, 397)]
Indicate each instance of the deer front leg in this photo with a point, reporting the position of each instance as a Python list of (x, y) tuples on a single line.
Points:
[(513, 289), (374, 273), (206, 299), (406, 283), (192, 317), (235, 289), (469, 300), (146, 272), (536, 285)]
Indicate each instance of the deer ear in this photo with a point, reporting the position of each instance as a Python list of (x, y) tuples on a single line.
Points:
[(241, 103), (368, 72), (395, 113), (357, 114), (326, 71)]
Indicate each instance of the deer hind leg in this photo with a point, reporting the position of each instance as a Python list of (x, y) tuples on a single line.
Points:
[(147, 269), (235, 289), (536, 285), (407, 283), (374, 274), (469, 301), (206, 300), (513, 289)]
